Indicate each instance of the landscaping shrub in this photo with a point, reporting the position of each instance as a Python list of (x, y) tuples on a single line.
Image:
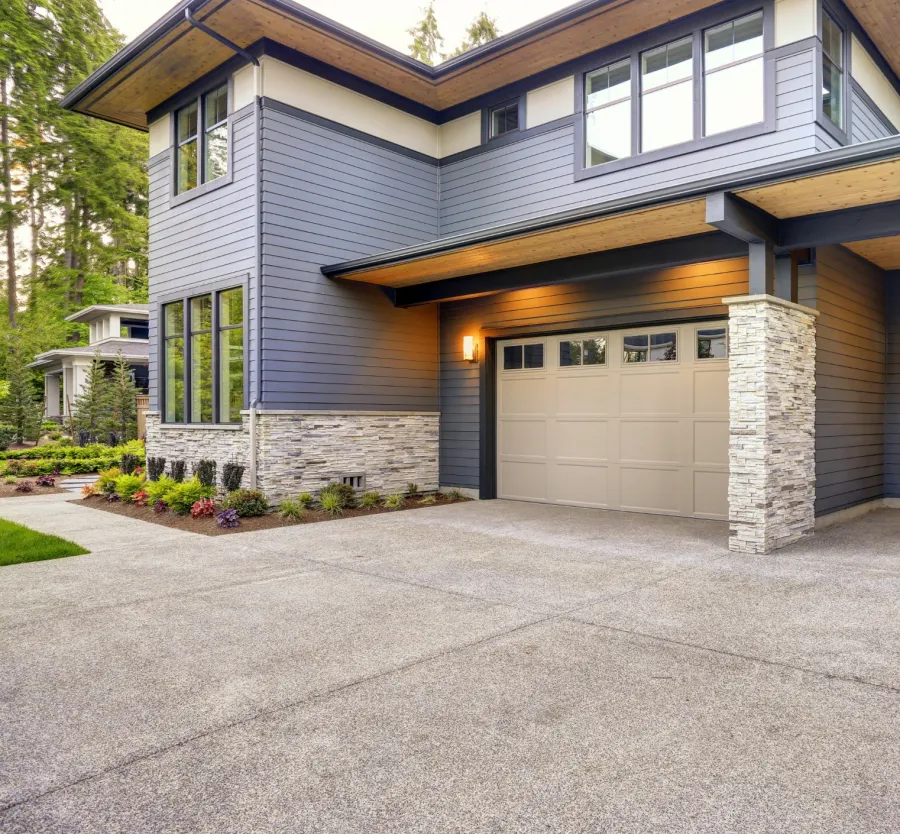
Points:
[(412, 488), (25, 486), (130, 463), (139, 499), (88, 490), (55, 435), (65, 441), (206, 472), (46, 481), (157, 490), (10, 479), (184, 495), (204, 508), (228, 519), (178, 467), (155, 468), (232, 475), (370, 499), (306, 499), (160, 507), (344, 493), (247, 502), (394, 502), (112, 498), (49, 425), (64, 450), (454, 494), (428, 499), (106, 483), (291, 509), (7, 436), (127, 485), (331, 502)]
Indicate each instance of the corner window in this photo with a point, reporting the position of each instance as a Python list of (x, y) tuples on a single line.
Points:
[(207, 116), (504, 119), (656, 347), (205, 382), (523, 357), (667, 95), (712, 343), (832, 70), (733, 74), (607, 109), (582, 352)]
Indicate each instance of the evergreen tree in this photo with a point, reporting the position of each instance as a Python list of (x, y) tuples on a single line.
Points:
[(426, 37), (93, 405), (123, 399), (19, 407), (480, 31)]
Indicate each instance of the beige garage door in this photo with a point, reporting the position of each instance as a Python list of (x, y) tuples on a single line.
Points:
[(626, 420)]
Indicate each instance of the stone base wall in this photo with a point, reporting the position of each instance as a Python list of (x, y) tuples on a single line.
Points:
[(303, 451), (772, 460)]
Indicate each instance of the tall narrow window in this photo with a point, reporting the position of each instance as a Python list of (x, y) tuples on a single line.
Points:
[(186, 150), (173, 361), (231, 355), (607, 113), (201, 359), (667, 95), (832, 70), (733, 74), (215, 134)]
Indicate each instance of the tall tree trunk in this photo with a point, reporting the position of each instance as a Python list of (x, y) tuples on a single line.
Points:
[(9, 217)]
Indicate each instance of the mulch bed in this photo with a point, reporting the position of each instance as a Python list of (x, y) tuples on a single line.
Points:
[(208, 526), (9, 490)]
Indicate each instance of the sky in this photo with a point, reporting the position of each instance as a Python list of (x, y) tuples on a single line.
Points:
[(131, 17)]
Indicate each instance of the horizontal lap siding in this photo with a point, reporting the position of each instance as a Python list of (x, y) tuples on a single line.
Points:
[(892, 418), (850, 377), (205, 240), (535, 176), (327, 197), (866, 125), (656, 293)]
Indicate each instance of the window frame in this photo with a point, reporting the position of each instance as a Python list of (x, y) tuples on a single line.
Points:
[(583, 367), (650, 332), (841, 133), (698, 329), (522, 343), (213, 290), (198, 98), (487, 117), (634, 140), (634, 48)]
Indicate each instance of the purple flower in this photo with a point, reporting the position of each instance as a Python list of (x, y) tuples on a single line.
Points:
[(228, 518)]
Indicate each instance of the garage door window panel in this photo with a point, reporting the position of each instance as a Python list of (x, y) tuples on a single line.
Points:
[(712, 343), (528, 357), (582, 352)]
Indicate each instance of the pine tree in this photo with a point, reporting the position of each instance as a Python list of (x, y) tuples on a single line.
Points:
[(19, 407), (93, 405), (123, 399), (480, 31), (426, 37)]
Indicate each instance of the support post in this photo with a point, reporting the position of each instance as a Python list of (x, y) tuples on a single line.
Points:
[(762, 268), (772, 402), (51, 396), (786, 276)]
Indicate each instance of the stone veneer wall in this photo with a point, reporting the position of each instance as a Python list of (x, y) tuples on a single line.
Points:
[(303, 451), (772, 459)]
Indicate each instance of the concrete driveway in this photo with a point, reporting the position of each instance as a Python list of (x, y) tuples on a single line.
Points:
[(485, 667)]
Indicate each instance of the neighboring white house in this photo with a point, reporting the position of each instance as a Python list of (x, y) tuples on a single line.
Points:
[(113, 328)]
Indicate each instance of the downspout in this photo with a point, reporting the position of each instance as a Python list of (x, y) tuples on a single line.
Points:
[(257, 84)]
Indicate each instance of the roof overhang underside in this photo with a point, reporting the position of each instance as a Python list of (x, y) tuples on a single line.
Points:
[(173, 54), (840, 184)]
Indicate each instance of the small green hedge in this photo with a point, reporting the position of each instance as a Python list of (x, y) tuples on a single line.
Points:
[(93, 451), (30, 468)]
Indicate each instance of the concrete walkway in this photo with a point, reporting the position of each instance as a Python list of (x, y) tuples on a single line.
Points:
[(483, 667)]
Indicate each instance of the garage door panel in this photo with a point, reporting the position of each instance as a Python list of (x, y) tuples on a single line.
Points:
[(522, 438), (524, 395), (523, 480), (711, 443), (651, 441), (586, 440), (580, 485), (711, 494), (584, 393), (649, 392), (711, 391), (650, 489)]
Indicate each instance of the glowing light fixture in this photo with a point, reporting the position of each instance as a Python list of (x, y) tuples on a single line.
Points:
[(470, 349)]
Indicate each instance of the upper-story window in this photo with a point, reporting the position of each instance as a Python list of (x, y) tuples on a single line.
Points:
[(201, 145), (733, 74), (832, 69), (677, 102), (504, 119)]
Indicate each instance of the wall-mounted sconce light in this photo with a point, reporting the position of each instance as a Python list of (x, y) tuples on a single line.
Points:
[(470, 349)]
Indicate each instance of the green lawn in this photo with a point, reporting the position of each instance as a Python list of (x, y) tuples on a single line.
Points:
[(19, 544)]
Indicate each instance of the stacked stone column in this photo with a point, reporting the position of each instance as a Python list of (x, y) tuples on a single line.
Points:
[(772, 462)]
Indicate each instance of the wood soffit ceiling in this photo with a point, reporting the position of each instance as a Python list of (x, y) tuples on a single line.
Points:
[(184, 54)]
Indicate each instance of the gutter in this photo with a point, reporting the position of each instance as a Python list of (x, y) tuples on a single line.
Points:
[(878, 151)]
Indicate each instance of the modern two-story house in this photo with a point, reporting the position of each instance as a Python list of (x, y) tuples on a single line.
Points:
[(637, 255)]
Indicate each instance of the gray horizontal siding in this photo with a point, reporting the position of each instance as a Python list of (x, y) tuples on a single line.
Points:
[(658, 294), (848, 292), (327, 197), (892, 410), (866, 124), (535, 176), (205, 240)]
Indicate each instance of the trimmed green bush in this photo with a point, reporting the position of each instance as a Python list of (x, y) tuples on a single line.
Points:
[(306, 499), (65, 451), (247, 502), (158, 489), (183, 496), (127, 485), (106, 483)]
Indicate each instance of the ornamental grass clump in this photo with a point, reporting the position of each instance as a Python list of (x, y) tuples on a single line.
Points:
[(204, 508), (247, 502), (306, 499), (412, 488), (291, 509), (228, 519), (394, 502), (332, 503), (455, 494), (344, 494), (183, 496), (428, 499), (370, 499)]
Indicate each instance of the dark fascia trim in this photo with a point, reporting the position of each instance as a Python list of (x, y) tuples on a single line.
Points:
[(869, 152), (507, 140), (288, 110), (859, 92), (713, 246)]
